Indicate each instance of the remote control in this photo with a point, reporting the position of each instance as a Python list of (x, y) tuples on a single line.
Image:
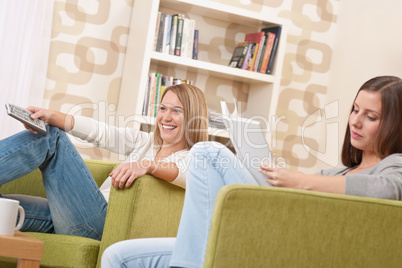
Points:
[(24, 116)]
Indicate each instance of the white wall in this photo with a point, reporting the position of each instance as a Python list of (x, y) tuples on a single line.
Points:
[(368, 43)]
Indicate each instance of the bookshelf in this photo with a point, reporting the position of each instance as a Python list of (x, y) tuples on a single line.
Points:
[(141, 59)]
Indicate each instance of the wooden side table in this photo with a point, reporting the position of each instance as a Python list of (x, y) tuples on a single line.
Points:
[(27, 249)]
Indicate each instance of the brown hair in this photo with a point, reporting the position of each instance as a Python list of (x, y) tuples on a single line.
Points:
[(388, 139), (195, 114)]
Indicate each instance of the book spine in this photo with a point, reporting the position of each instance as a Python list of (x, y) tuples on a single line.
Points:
[(166, 35), (245, 49), (185, 35), (157, 93), (173, 35), (267, 54), (195, 47), (179, 35), (247, 57), (159, 46), (158, 19), (151, 94), (190, 42), (254, 56), (164, 85), (146, 97), (262, 55), (274, 49), (257, 59)]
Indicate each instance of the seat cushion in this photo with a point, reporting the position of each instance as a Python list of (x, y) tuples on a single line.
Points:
[(63, 251)]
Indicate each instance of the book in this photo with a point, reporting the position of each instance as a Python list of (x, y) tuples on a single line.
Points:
[(159, 46), (190, 39), (267, 53), (179, 34), (146, 98), (259, 53), (247, 57), (160, 87), (166, 34), (274, 49), (173, 35), (258, 38), (176, 81), (152, 89), (183, 52), (238, 55), (158, 19), (155, 95), (252, 57), (241, 132), (195, 46)]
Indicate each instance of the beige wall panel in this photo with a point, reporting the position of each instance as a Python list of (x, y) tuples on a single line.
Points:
[(88, 49)]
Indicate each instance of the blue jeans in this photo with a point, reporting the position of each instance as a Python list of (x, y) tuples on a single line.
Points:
[(211, 166), (74, 204)]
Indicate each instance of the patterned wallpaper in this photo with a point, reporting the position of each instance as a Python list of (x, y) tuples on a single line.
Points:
[(87, 51)]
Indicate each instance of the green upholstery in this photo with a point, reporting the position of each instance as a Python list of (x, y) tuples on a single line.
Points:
[(149, 208), (273, 227), (252, 226)]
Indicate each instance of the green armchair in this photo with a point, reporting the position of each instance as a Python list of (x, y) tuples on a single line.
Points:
[(256, 226), (149, 208), (252, 226)]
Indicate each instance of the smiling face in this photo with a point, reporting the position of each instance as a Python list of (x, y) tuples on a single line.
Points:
[(170, 121), (365, 120)]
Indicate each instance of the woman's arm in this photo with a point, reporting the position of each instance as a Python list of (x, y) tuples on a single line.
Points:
[(54, 118), (125, 174), (120, 140), (282, 177)]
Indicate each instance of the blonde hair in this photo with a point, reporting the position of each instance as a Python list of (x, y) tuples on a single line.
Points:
[(195, 114)]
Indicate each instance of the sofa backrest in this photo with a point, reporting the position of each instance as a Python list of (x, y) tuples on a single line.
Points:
[(31, 184)]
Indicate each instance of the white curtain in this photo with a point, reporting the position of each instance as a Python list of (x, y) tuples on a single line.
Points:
[(25, 30)]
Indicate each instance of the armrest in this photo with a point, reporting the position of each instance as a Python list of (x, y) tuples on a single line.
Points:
[(151, 207), (255, 226)]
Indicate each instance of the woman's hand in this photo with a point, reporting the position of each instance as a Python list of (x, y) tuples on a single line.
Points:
[(125, 174), (282, 177), (54, 118)]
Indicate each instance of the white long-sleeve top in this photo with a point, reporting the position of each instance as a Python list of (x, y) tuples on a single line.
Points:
[(136, 145)]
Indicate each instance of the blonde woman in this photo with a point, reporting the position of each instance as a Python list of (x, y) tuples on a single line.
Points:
[(72, 193)]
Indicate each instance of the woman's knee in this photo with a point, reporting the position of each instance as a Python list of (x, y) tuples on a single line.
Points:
[(111, 256), (207, 148), (139, 253)]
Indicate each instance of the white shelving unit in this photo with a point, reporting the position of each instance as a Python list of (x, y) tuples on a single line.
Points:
[(140, 59)]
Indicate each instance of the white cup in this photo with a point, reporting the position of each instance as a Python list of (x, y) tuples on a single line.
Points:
[(8, 216)]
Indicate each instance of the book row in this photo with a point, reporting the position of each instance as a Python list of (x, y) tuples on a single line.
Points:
[(257, 52), (176, 35), (156, 85)]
